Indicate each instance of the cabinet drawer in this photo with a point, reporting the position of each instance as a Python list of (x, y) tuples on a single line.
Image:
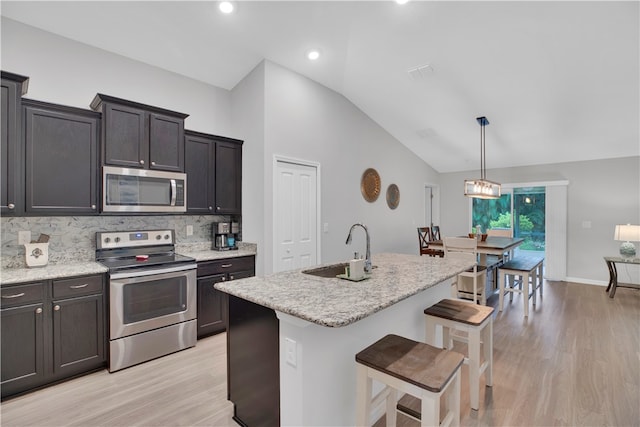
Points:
[(77, 286), (22, 294), (228, 265), (241, 274)]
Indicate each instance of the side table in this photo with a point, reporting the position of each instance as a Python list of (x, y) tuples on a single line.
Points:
[(613, 273)]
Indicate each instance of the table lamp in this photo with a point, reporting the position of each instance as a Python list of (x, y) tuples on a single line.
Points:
[(627, 234)]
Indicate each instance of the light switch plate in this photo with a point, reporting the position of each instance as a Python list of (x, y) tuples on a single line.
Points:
[(189, 230), (24, 237)]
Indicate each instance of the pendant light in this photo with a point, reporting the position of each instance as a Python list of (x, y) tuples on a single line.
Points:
[(482, 188)]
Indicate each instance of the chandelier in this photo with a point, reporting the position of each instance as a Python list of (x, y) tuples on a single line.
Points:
[(482, 188)]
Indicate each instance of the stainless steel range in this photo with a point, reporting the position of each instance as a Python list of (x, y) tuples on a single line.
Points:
[(152, 295)]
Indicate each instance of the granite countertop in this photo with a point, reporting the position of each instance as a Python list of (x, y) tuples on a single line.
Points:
[(61, 270), (51, 271), (208, 254), (334, 302)]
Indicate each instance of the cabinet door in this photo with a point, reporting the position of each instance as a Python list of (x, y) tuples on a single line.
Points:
[(10, 159), (62, 162), (22, 348), (166, 142), (78, 335), (211, 306), (198, 165), (125, 136), (228, 193)]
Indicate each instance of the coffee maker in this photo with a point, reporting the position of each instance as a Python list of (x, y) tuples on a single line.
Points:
[(225, 236)]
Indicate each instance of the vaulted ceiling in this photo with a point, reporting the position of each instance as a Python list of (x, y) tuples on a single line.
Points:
[(558, 81)]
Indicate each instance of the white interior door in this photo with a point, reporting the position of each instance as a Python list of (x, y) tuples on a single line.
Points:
[(296, 216)]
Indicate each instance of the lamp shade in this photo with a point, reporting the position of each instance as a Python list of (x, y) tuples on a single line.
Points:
[(627, 233)]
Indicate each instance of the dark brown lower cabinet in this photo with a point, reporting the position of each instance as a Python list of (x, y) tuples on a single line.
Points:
[(212, 304), (22, 348), (253, 363), (51, 330)]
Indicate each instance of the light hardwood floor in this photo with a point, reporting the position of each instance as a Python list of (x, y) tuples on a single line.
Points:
[(574, 362)]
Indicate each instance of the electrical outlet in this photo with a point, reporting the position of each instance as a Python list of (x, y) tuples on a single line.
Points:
[(290, 352), (24, 237), (189, 230)]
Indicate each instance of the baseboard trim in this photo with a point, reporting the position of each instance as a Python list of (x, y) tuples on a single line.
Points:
[(586, 281)]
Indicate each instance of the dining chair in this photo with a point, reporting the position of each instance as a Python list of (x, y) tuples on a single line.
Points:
[(424, 237), (466, 249)]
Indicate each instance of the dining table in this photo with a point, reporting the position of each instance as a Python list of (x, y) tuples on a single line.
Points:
[(493, 245)]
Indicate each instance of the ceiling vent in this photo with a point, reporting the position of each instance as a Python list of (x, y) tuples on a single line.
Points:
[(417, 73)]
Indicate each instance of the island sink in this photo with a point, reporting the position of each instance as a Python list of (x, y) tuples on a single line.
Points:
[(329, 271)]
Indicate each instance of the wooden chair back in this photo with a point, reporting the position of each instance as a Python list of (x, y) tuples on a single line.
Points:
[(435, 232), (466, 249), (503, 232), (424, 237)]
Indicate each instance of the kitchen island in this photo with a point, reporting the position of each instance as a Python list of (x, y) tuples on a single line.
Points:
[(292, 337)]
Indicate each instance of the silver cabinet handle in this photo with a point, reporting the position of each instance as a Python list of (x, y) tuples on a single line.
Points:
[(38, 310), (56, 307), (21, 294), (93, 206), (79, 286), (153, 163), (230, 277), (224, 279), (11, 206), (226, 265), (210, 208), (217, 207), (142, 162)]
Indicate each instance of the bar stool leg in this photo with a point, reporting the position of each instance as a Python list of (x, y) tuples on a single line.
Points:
[(430, 406), (363, 396), (474, 368), (453, 400), (392, 401), (487, 339), (525, 293), (501, 279)]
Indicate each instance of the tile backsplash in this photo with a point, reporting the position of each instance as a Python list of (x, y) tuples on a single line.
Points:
[(73, 238)]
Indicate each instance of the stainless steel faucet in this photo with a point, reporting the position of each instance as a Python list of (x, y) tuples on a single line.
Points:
[(367, 260)]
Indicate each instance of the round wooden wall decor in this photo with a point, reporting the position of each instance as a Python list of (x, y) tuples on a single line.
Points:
[(393, 196), (370, 185)]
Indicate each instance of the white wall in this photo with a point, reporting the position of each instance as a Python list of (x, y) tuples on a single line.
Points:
[(603, 192), (308, 121), (63, 71), (247, 113)]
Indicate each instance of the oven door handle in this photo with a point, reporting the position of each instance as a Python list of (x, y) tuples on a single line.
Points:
[(145, 272)]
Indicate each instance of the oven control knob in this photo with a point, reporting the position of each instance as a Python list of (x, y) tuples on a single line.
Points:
[(107, 239), (117, 239), (166, 237), (158, 237)]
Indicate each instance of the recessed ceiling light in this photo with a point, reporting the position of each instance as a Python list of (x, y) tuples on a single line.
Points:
[(402, 1), (226, 7), (313, 54)]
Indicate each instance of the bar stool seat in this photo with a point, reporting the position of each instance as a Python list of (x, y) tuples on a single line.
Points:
[(411, 367), (477, 322)]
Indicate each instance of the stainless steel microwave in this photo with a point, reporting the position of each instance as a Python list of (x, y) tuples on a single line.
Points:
[(141, 190)]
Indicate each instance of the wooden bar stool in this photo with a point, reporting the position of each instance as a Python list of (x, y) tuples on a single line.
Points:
[(411, 367), (477, 321), (525, 267)]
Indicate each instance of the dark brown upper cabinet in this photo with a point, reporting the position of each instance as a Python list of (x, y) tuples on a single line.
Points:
[(61, 168), (214, 174), (140, 136), (12, 149)]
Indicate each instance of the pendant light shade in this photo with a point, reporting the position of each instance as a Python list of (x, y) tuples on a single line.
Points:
[(482, 188)]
